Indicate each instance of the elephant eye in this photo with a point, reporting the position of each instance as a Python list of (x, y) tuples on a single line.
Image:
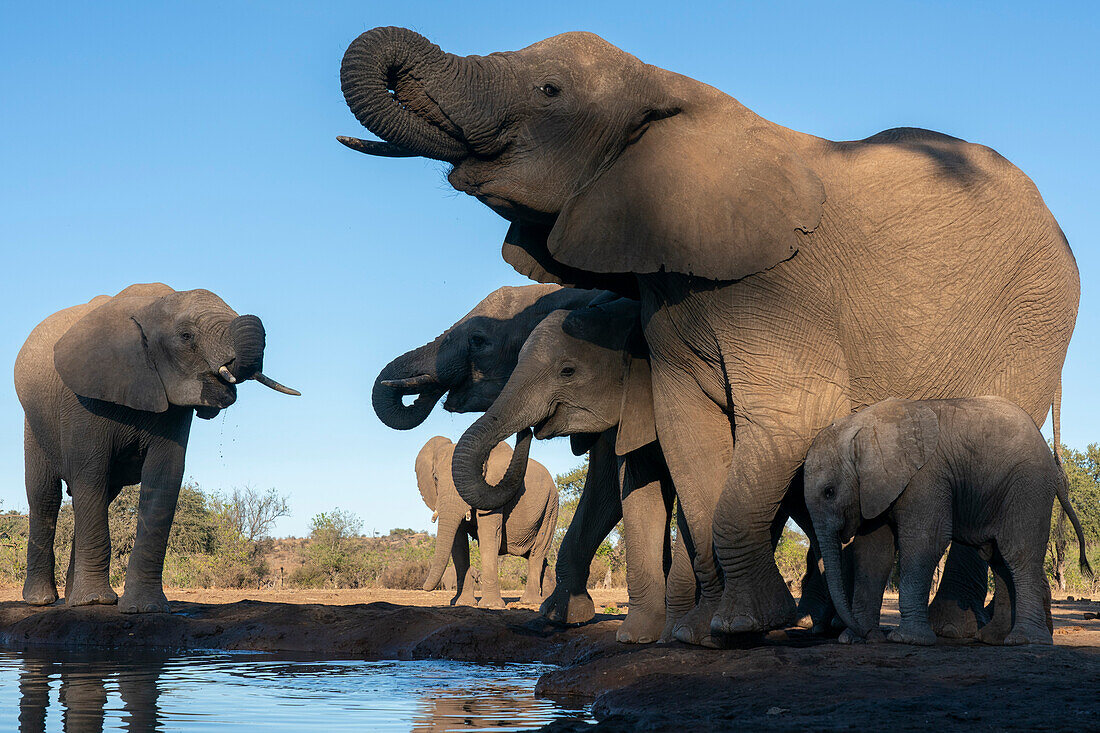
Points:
[(478, 341), (568, 371), (828, 492), (186, 336), (550, 90)]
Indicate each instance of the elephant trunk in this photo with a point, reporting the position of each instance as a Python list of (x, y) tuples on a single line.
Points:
[(471, 456), (414, 373), (830, 555), (449, 522), (246, 334), (391, 81)]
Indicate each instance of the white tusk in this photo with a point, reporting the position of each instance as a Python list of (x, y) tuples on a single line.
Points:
[(227, 375)]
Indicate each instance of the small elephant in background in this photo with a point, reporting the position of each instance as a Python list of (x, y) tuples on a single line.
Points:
[(975, 471), (524, 527), (108, 389)]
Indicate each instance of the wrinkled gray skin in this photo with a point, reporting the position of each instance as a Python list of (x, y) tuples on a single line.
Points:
[(470, 362), (524, 527), (976, 471), (785, 280), (108, 389), (586, 371)]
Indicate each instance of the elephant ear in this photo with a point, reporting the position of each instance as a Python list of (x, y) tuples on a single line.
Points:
[(891, 445), (718, 194), (105, 356), (637, 426), (426, 461)]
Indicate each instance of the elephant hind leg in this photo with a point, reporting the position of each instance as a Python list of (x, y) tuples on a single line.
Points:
[(958, 609), (44, 500)]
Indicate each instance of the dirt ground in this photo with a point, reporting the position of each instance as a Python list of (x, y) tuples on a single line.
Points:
[(789, 681)]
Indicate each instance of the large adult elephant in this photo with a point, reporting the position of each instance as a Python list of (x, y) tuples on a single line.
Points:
[(470, 363), (108, 389), (785, 279)]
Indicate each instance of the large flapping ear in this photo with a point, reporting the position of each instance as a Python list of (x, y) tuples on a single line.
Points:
[(426, 468), (714, 193), (892, 443), (637, 426), (525, 250), (105, 356)]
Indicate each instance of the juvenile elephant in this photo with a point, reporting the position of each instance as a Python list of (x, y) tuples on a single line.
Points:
[(785, 280), (470, 362), (108, 389), (974, 470), (524, 527)]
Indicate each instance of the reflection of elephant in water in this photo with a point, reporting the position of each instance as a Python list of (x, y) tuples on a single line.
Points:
[(524, 527), (108, 389), (785, 280), (470, 362), (974, 470)]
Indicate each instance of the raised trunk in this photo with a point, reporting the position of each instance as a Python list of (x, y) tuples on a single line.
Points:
[(472, 453), (414, 373), (392, 80), (830, 554), (246, 333), (449, 523)]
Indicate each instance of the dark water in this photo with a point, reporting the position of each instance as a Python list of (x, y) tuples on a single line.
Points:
[(111, 690)]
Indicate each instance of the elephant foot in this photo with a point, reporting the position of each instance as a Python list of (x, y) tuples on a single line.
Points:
[(875, 636), (91, 593), (642, 626), (466, 599), (491, 602), (918, 635), (39, 592), (568, 608), (754, 610), (530, 598), (955, 619), (1029, 634), (695, 627), (143, 600), (850, 637)]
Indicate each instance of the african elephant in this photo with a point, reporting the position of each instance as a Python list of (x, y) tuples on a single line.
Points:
[(470, 363), (785, 280), (974, 470), (523, 527), (108, 389)]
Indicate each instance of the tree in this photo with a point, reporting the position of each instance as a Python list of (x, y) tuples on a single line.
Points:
[(251, 512), (331, 548), (1083, 475)]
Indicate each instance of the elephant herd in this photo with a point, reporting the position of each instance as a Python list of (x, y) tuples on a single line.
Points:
[(719, 296)]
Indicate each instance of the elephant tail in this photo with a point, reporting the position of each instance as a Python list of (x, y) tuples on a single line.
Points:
[(1063, 499)]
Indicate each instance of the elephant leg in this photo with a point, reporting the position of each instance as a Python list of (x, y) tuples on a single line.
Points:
[(161, 478), (1000, 621), (464, 581), (44, 500), (765, 463), (873, 559), (815, 606), (532, 589), (489, 530), (680, 587), (919, 551), (598, 511), (647, 510), (697, 442), (958, 610), (1031, 601), (89, 566)]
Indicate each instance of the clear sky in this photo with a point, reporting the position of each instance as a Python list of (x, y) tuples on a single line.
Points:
[(195, 145)]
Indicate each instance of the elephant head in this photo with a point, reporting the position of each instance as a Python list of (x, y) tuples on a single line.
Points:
[(855, 469), (470, 361), (607, 167), (433, 477), (150, 347), (580, 372)]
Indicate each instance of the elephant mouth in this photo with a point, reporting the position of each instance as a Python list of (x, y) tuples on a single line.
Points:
[(545, 429), (216, 392)]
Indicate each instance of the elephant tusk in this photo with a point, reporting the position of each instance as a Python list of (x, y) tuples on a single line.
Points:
[(413, 384), (227, 375), (272, 384), (376, 147), (435, 516)]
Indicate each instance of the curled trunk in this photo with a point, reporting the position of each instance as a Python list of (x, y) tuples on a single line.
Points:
[(449, 523), (830, 554), (470, 458), (408, 374), (248, 338)]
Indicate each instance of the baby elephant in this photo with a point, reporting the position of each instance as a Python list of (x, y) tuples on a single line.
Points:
[(973, 470), (524, 527), (108, 389)]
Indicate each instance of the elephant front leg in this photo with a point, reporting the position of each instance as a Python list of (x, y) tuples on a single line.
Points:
[(44, 500), (872, 562), (489, 528), (89, 566), (598, 511), (958, 610), (680, 588), (920, 548), (161, 478), (464, 579)]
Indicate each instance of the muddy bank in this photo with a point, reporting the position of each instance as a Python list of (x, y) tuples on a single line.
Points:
[(792, 683)]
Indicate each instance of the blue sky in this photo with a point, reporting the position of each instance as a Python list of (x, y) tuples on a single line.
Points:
[(194, 144)]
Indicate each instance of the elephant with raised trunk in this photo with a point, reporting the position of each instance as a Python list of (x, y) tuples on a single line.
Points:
[(470, 363), (785, 280), (524, 527), (108, 389)]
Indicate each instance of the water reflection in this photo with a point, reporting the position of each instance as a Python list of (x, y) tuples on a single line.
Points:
[(150, 691)]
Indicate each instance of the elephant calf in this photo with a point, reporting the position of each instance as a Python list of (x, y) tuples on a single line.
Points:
[(973, 470), (108, 389), (524, 527)]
